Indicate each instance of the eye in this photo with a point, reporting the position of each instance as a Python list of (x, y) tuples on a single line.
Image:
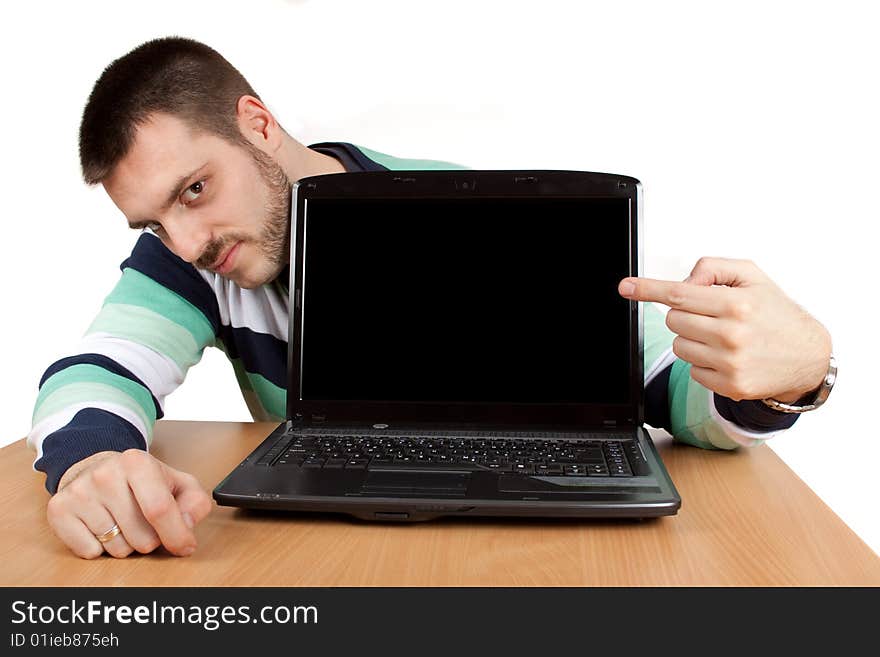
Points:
[(192, 192)]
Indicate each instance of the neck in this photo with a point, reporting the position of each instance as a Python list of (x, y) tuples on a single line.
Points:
[(299, 161)]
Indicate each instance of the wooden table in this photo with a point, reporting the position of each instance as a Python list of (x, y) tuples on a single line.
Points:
[(746, 520)]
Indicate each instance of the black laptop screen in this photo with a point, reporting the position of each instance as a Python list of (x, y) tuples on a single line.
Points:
[(466, 300)]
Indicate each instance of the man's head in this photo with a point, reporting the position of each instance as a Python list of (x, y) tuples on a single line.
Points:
[(183, 144)]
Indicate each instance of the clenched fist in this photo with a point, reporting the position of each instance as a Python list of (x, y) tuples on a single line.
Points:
[(153, 504)]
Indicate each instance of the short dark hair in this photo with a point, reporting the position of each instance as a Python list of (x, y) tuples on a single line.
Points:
[(174, 75)]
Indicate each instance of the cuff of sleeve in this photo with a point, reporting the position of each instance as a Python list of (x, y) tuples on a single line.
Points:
[(753, 414), (90, 431)]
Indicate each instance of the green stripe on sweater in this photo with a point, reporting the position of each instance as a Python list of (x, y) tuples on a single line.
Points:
[(402, 164), (705, 428), (137, 289), (689, 411), (273, 398), (88, 373), (150, 329), (679, 398), (79, 392)]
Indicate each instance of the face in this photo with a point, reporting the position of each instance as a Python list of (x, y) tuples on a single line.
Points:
[(220, 206)]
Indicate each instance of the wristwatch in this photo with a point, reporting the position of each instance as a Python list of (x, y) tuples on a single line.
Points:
[(819, 395)]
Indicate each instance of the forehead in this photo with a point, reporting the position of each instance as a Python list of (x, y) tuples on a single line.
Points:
[(164, 149)]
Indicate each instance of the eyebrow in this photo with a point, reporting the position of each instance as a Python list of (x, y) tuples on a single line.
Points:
[(172, 196)]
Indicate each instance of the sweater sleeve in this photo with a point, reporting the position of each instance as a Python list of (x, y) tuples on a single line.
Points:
[(692, 413), (108, 394)]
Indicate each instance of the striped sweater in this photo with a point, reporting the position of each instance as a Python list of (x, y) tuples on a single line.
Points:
[(164, 312)]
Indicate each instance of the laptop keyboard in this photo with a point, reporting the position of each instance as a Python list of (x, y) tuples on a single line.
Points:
[(575, 458)]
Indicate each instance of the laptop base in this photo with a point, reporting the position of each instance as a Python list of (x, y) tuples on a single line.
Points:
[(428, 491)]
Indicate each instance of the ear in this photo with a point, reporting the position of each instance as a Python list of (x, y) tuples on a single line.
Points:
[(258, 125)]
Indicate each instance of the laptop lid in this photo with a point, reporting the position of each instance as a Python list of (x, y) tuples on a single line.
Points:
[(465, 298)]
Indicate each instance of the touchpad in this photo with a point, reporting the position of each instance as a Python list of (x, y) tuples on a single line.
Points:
[(433, 483)]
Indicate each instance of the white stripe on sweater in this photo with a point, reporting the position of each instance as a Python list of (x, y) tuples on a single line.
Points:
[(665, 359), (158, 372), (262, 310)]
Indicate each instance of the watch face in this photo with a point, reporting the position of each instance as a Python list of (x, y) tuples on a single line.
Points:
[(825, 389), (831, 377)]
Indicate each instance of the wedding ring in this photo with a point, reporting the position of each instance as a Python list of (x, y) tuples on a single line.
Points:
[(109, 534)]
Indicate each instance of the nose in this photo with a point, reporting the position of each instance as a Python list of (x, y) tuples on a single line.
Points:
[(187, 238)]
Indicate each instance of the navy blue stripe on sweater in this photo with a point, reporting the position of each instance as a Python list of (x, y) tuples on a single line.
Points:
[(350, 156), (750, 414), (753, 414), (101, 361), (91, 430), (153, 259), (263, 354)]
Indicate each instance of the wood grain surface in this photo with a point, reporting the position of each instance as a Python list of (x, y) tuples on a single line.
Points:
[(746, 520)]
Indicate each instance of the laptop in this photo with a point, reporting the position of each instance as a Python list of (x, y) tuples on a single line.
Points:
[(458, 348)]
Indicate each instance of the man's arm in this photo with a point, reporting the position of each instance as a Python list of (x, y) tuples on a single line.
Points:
[(105, 399), (739, 339)]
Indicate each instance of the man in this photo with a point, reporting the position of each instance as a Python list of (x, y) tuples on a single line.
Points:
[(190, 154)]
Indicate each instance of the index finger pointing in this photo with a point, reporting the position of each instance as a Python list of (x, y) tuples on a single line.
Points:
[(699, 299)]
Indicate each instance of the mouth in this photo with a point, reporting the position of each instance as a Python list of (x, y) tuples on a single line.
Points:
[(225, 262)]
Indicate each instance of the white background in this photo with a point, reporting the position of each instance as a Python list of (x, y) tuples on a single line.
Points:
[(753, 129)]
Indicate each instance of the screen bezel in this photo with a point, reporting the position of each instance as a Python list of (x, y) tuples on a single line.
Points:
[(467, 184)]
